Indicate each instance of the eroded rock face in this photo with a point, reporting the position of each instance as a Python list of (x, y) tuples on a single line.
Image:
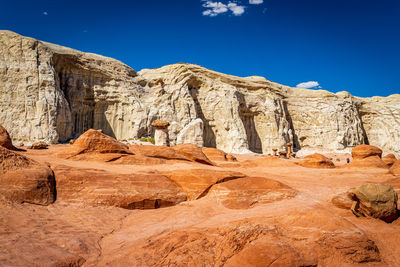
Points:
[(71, 92), (192, 134), (25, 180), (375, 200)]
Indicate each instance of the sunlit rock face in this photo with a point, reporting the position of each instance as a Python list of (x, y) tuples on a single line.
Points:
[(53, 93)]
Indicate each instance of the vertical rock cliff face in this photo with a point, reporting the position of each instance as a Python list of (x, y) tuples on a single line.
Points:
[(53, 93), (380, 118)]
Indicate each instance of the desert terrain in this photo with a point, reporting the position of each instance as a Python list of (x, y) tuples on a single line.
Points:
[(181, 165), (108, 204)]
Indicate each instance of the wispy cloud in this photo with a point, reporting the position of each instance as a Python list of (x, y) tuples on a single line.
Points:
[(309, 85), (215, 8), (256, 2), (45, 13)]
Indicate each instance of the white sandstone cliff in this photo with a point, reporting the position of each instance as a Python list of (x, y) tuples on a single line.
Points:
[(52, 93)]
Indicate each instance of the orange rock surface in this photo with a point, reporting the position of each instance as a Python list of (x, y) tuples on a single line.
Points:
[(258, 211)]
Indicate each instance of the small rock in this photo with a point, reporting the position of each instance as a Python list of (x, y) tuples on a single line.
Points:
[(39, 145)]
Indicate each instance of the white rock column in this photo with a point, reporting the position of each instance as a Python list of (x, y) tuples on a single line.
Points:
[(161, 137)]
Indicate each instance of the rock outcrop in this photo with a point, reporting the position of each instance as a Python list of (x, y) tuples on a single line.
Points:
[(5, 139), (316, 161), (53, 93), (375, 200), (25, 180)]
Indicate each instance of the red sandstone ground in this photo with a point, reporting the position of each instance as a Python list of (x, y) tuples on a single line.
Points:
[(259, 211)]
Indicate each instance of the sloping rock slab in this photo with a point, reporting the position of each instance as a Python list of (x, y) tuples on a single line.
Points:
[(101, 188)]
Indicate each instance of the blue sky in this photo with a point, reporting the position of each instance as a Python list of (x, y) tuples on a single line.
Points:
[(350, 45)]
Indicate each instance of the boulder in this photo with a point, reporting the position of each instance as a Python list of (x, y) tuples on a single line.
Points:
[(25, 180), (103, 188), (191, 133), (245, 192), (316, 161), (389, 159), (197, 182), (375, 200), (214, 154), (39, 145), (5, 139), (364, 151)]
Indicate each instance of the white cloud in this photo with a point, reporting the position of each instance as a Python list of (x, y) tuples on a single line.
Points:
[(236, 10), (45, 13), (256, 2), (310, 84), (216, 8)]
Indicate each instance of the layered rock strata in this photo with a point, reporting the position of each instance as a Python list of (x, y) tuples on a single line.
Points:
[(52, 93)]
